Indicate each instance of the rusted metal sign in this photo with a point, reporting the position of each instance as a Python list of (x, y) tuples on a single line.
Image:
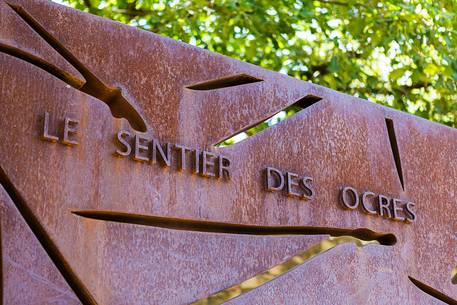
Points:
[(114, 192)]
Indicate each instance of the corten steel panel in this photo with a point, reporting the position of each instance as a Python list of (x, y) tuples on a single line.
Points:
[(29, 276), (104, 227)]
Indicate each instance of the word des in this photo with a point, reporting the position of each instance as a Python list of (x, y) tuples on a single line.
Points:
[(292, 184)]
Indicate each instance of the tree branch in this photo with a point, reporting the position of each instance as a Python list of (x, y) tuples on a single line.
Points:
[(335, 2), (132, 12), (88, 4)]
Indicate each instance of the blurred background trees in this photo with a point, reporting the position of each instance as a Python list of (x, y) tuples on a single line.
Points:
[(400, 54)]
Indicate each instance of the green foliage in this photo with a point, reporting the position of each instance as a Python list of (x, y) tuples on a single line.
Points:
[(397, 53)]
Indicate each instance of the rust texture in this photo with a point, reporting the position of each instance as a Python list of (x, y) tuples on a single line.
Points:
[(86, 221)]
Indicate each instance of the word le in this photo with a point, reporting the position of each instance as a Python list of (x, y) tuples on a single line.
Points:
[(69, 129), (294, 186), (142, 149), (378, 205)]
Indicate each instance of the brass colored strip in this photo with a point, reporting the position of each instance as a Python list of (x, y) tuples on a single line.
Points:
[(279, 270)]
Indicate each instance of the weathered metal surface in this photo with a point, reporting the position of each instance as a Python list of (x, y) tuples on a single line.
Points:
[(29, 276), (113, 227)]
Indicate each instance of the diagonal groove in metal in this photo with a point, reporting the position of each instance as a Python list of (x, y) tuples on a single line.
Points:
[(184, 224), (433, 292), (225, 82), (118, 104), (46, 242), (394, 147)]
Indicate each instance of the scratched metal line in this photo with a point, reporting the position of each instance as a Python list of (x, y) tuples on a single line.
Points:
[(279, 270)]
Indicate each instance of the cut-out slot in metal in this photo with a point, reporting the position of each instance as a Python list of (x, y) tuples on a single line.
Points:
[(113, 97), (42, 64), (394, 148), (433, 292), (272, 120), (224, 82), (454, 276), (281, 269), (359, 237), (184, 224), (46, 242)]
